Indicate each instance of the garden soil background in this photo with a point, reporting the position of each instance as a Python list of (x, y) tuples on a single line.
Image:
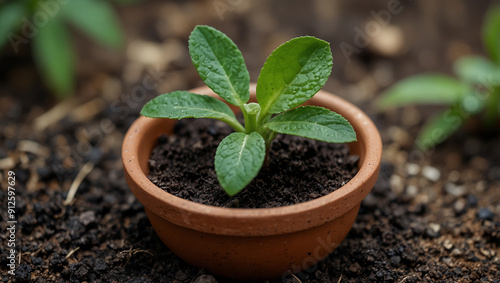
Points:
[(432, 217)]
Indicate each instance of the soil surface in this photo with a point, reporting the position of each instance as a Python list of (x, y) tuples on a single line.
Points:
[(432, 216), (299, 169)]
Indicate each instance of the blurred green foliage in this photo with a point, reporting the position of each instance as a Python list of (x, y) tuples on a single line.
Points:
[(45, 24), (476, 90)]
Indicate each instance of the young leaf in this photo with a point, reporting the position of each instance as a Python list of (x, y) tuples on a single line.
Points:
[(10, 19), (491, 33), (293, 73), (314, 123), (238, 160), (53, 51), (97, 19), (220, 64), (432, 89), (477, 70), (183, 104), (441, 126)]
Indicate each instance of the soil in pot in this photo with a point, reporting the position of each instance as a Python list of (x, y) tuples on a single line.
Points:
[(299, 169)]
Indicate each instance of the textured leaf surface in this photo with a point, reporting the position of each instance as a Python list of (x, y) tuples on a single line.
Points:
[(54, 54), (220, 64), (238, 160), (491, 32), (315, 123), (183, 104), (293, 73), (428, 88), (441, 126), (10, 19), (477, 70), (97, 19)]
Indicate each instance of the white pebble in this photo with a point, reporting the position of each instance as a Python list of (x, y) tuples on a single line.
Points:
[(412, 169), (435, 227), (431, 173), (412, 190), (455, 190)]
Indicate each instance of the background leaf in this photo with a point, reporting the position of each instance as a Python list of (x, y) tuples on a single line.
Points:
[(238, 160), (491, 32), (293, 73), (96, 18), (220, 64), (10, 19), (183, 104), (441, 126), (427, 88), (315, 123), (54, 55), (477, 70), (127, 2)]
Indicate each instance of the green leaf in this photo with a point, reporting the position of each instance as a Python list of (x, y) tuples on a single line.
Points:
[(127, 2), (441, 126), (183, 104), (427, 88), (491, 32), (54, 55), (97, 18), (238, 160), (220, 64), (293, 73), (314, 123), (474, 102), (477, 70), (10, 19)]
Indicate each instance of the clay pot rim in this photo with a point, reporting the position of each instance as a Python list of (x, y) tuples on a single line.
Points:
[(338, 202)]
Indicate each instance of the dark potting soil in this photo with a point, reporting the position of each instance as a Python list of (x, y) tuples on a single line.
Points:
[(299, 169)]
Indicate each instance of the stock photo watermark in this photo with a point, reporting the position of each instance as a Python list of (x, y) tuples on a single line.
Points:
[(363, 37), (223, 6), (29, 28), (11, 222), (309, 265)]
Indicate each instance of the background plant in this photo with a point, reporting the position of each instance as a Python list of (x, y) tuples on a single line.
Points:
[(475, 91), (46, 21), (292, 74)]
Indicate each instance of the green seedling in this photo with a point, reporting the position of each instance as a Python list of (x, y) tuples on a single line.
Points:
[(293, 73), (476, 91), (44, 24)]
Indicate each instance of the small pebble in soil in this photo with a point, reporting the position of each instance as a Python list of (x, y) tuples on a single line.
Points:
[(448, 245), (460, 206), (485, 214), (471, 200), (412, 191), (412, 169), (87, 218), (455, 190), (432, 230), (431, 173)]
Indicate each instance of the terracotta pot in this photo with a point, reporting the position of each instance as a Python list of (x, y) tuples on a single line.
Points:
[(261, 243)]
